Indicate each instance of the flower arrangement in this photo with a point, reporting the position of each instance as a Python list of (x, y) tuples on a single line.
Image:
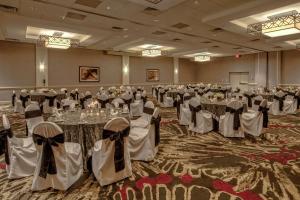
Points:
[(219, 96)]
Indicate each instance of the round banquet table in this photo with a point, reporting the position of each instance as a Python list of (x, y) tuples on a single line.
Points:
[(218, 108), (40, 97), (85, 131), (173, 94)]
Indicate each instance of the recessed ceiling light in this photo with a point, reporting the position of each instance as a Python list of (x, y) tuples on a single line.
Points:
[(108, 7), (125, 36), (196, 2), (156, 20)]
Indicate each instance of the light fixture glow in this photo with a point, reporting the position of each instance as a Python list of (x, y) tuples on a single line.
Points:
[(202, 58), (278, 25), (57, 42), (151, 52)]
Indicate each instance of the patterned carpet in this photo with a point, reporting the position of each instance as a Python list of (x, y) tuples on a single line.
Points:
[(193, 167)]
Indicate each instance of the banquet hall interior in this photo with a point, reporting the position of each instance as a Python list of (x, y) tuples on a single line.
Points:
[(150, 99)]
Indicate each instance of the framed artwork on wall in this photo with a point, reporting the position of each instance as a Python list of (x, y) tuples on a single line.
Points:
[(152, 75), (89, 74)]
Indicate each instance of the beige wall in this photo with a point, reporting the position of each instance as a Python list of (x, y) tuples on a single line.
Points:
[(64, 66), (138, 66), (187, 71), (290, 69), (17, 64), (217, 70)]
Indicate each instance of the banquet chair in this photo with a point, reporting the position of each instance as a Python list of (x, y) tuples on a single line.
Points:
[(256, 102), (103, 99), (73, 95), (20, 153), (110, 157), (136, 108), (164, 100), (290, 103), (64, 90), (201, 121), (33, 116), (229, 124), (184, 110), (87, 99), (50, 102), (277, 107), (144, 138), (253, 122), (22, 102), (248, 97), (59, 163)]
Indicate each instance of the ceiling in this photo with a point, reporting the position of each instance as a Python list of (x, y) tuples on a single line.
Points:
[(181, 27)]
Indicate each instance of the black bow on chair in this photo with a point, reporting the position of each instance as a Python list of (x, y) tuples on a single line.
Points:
[(118, 137), (257, 102), (194, 111), (249, 99), (264, 111), (156, 93), (298, 101), (48, 165), (33, 114), (24, 99), (81, 100), (77, 95), (148, 111), (134, 95), (51, 100), (236, 116), (162, 96), (103, 102), (144, 98), (73, 95), (128, 102), (13, 99), (156, 122), (280, 100), (4, 143)]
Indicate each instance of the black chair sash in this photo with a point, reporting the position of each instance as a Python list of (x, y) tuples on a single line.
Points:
[(156, 93), (264, 111), (257, 102), (103, 102), (162, 96), (139, 89), (200, 93), (4, 143), (48, 165), (181, 97), (32, 114), (249, 99), (280, 100), (66, 107), (51, 100), (148, 111), (134, 95), (236, 117), (13, 99), (128, 102), (144, 98), (77, 95), (73, 95), (82, 100), (156, 122), (24, 99), (118, 137), (186, 98), (194, 111), (87, 97), (298, 101)]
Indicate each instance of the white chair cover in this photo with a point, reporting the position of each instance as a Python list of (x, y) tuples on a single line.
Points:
[(275, 106), (256, 102), (22, 102), (50, 102), (252, 122), (185, 113), (143, 144), (202, 121), (104, 167), (226, 122), (164, 100), (117, 102), (67, 156), (33, 116), (21, 153)]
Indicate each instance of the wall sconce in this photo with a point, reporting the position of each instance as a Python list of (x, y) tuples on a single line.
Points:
[(125, 69), (42, 67), (176, 71)]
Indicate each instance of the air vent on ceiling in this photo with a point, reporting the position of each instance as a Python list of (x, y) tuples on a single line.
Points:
[(176, 39), (117, 28), (151, 11), (217, 30), (77, 16), (9, 9), (206, 42), (12, 40), (215, 46), (180, 25), (158, 33), (88, 3), (154, 1), (255, 40)]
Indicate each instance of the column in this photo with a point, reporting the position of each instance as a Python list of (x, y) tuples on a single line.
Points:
[(125, 70), (41, 62), (176, 70)]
